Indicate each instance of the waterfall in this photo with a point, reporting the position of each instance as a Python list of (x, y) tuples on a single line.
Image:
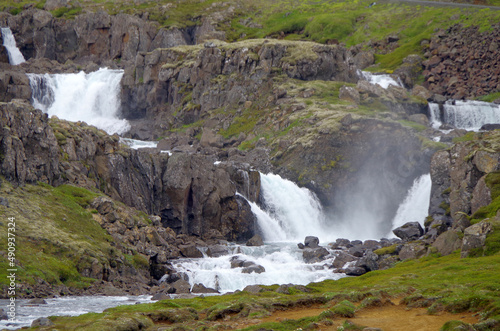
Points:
[(415, 207), (291, 212), (469, 115), (15, 55), (435, 115), (381, 79), (92, 98), (137, 144)]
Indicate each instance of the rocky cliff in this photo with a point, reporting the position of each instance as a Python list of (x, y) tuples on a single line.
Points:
[(193, 195)]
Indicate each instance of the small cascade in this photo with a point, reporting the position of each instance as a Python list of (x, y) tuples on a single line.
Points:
[(435, 115), (469, 115), (282, 262), (381, 79), (136, 144), (9, 42), (415, 207), (93, 98)]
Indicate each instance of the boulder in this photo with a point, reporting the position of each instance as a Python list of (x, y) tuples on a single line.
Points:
[(217, 250), (314, 255), (342, 258), (409, 231), (200, 288), (190, 250), (349, 93), (357, 251), (412, 251), (236, 262), (181, 286), (368, 261), (447, 242), (37, 301), (255, 241), (311, 242), (475, 237), (41, 322), (258, 269), (355, 271)]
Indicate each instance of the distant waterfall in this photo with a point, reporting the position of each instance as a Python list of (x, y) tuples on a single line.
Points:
[(291, 213), (469, 115), (93, 98), (415, 207), (381, 79), (15, 55)]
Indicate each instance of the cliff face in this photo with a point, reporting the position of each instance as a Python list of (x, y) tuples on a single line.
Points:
[(96, 37), (464, 182), (193, 195), (184, 84)]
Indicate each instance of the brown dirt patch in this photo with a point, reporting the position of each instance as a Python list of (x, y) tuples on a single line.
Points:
[(388, 318)]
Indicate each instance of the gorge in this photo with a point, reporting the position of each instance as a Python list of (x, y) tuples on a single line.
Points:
[(141, 158)]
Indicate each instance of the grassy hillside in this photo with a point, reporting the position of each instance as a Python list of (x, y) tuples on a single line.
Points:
[(56, 236)]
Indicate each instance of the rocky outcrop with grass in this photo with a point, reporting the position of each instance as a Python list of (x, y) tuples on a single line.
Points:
[(192, 195)]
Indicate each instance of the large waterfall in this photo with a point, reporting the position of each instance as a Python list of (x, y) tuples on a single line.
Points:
[(93, 98), (469, 115), (289, 214), (15, 55)]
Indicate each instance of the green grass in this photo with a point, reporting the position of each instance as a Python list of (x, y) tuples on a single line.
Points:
[(448, 283), (56, 235)]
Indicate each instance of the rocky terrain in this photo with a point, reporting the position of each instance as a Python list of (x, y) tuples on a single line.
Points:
[(226, 109)]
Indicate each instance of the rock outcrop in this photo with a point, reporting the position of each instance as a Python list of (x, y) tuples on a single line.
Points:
[(463, 63), (192, 195)]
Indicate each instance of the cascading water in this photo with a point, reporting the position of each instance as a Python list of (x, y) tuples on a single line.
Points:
[(92, 98), (415, 207), (290, 214), (15, 55), (469, 115), (137, 144), (297, 211), (381, 79)]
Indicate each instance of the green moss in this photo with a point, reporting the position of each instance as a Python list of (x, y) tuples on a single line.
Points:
[(469, 136), (386, 250)]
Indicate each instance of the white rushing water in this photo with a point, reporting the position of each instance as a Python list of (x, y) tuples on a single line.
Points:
[(93, 98), (283, 264), (65, 306), (136, 144), (292, 212), (469, 115), (381, 79), (415, 207), (15, 55)]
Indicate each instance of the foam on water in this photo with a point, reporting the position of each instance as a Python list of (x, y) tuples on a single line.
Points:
[(381, 79)]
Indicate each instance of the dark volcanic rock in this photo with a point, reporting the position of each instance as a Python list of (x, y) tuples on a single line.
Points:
[(255, 241), (311, 242), (355, 271), (409, 231), (313, 255)]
